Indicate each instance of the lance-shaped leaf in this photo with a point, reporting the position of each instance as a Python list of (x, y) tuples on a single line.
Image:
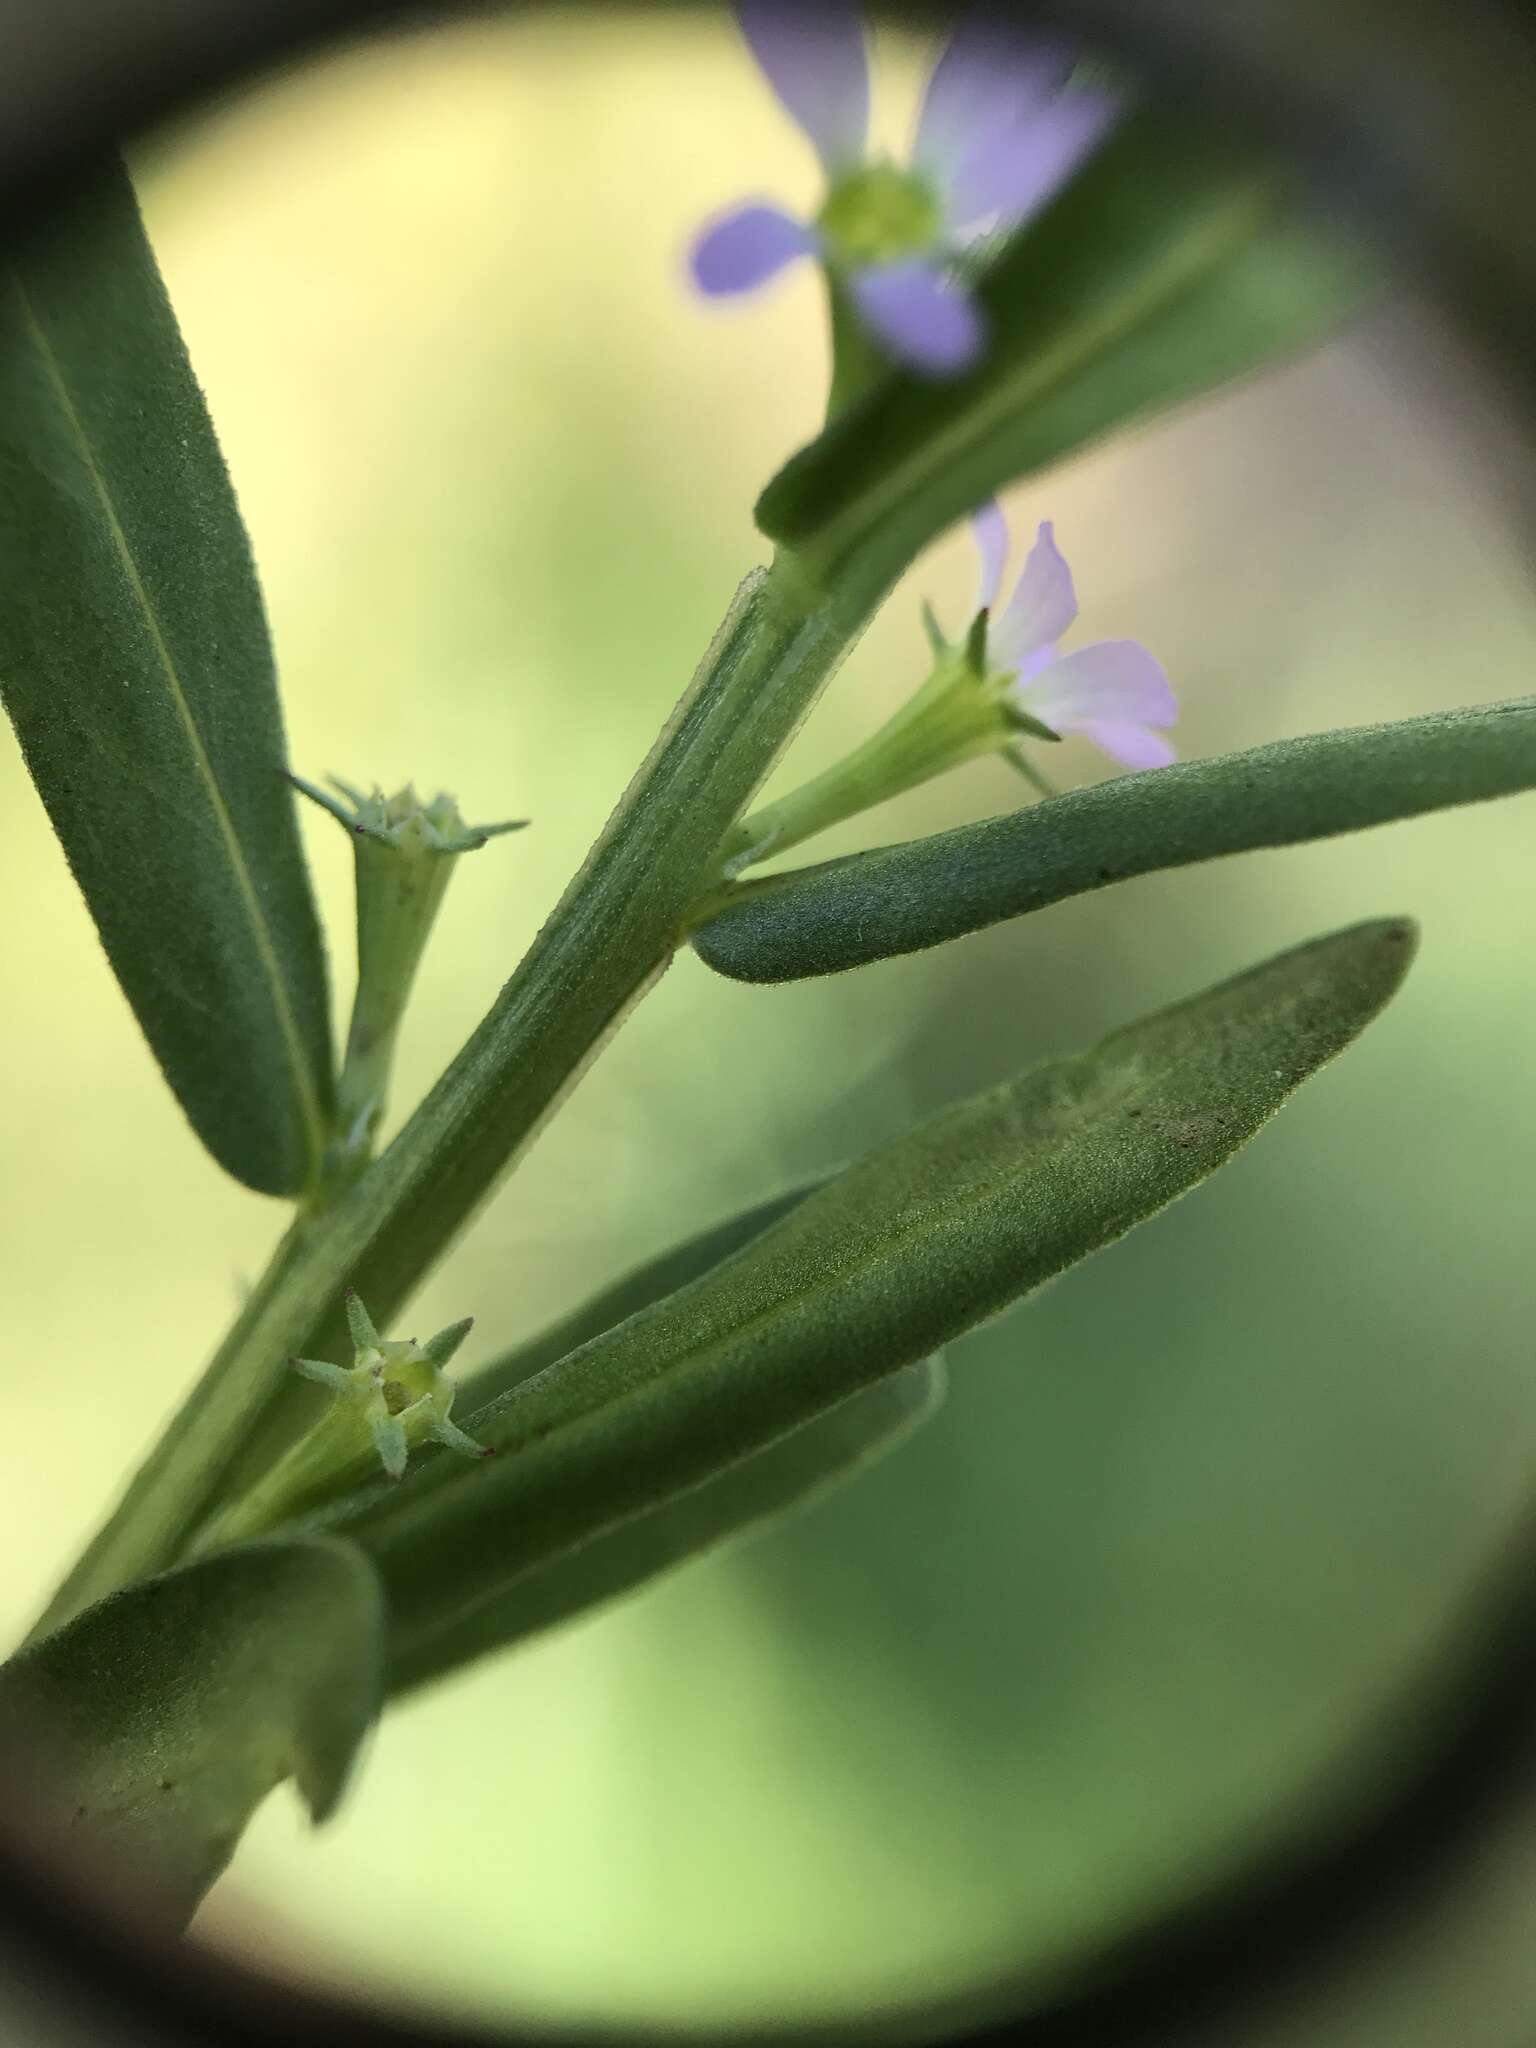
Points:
[(157, 1721), (829, 1450), (648, 1282), (899, 899), (1166, 267), (891, 1260), (135, 663)]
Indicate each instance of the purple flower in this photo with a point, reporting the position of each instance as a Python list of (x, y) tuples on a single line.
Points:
[(1112, 692), (1000, 130)]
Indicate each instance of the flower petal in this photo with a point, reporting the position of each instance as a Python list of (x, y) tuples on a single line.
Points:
[(988, 76), (923, 319), (1133, 746), (1041, 608), (991, 531), (815, 60), (1113, 682), (1013, 170), (744, 248)]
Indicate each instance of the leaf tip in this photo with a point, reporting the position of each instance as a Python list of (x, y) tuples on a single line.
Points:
[(1388, 945)]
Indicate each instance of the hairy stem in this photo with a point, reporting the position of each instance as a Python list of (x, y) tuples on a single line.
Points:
[(607, 941)]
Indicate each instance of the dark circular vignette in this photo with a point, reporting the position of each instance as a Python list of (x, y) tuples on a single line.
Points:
[(1413, 117)]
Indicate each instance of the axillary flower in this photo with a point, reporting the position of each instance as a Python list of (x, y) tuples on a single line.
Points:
[(1002, 126), (393, 1397), (1112, 692), (1007, 682), (396, 1388)]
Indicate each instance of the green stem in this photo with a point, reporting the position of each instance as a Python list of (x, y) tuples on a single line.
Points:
[(1037, 779), (398, 897), (950, 720), (607, 942), (858, 364)]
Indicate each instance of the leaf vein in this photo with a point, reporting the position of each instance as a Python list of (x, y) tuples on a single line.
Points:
[(287, 1023)]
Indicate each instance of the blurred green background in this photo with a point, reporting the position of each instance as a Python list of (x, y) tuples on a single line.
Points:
[(1187, 1520)]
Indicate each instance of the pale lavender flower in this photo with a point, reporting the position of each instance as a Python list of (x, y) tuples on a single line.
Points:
[(1113, 692), (1000, 130)]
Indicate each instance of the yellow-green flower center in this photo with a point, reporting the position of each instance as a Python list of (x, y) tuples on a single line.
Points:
[(407, 1373), (880, 215)]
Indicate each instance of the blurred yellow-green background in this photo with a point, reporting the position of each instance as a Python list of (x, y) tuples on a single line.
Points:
[(1187, 1520)]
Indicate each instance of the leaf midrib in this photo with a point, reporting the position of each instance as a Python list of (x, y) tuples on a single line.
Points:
[(1139, 1077), (913, 1222), (1143, 1076), (292, 1039)]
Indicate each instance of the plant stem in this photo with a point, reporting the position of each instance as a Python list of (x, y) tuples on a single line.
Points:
[(607, 942), (950, 720), (857, 363)]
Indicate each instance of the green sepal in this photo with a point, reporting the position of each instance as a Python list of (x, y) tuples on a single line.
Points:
[(403, 822), (359, 1323), (1021, 722), (1022, 765), (334, 1378), (976, 644), (440, 1349)]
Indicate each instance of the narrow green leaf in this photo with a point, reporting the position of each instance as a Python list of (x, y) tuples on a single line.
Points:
[(888, 1262), (899, 899), (827, 1451), (1167, 267), (158, 1720), (135, 664), (624, 1297)]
